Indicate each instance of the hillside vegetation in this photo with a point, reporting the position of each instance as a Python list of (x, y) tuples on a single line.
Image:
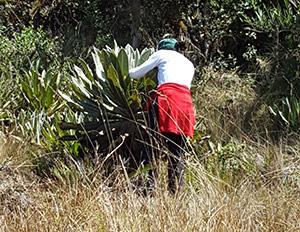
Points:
[(72, 121)]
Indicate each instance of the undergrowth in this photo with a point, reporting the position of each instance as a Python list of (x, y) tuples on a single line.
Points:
[(236, 179)]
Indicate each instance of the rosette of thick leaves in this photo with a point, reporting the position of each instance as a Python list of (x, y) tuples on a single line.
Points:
[(111, 102)]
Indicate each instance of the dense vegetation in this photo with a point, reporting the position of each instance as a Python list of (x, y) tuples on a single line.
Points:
[(75, 117)]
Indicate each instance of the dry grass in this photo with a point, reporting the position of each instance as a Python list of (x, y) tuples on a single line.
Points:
[(265, 201), (227, 106), (207, 204)]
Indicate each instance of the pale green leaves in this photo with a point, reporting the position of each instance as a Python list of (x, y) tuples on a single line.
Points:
[(40, 89), (108, 95), (288, 111)]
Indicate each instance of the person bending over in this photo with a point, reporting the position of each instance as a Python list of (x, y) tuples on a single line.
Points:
[(174, 111)]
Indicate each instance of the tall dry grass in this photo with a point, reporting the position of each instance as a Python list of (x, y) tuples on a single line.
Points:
[(263, 196), (207, 203)]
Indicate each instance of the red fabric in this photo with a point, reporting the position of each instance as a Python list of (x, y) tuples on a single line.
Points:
[(175, 109)]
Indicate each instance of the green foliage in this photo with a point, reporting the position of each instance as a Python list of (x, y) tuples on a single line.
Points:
[(269, 17), (280, 84), (287, 112), (232, 33), (110, 101), (40, 93), (230, 162), (40, 117), (28, 94), (77, 24), (209, 26), (25, 47)]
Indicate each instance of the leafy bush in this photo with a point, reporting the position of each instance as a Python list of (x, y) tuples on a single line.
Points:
[(277, 70), (26, 47), (40, 92), (110, 101), (230, 162), (25, 50), (39, 122)]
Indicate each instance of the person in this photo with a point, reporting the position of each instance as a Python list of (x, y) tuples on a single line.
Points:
[(174, 110)]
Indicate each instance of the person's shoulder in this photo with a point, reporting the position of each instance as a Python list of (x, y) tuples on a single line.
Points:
[(185, 58), (158, 53), (163, 54), (172, 55), (188, 61), (168, 53)]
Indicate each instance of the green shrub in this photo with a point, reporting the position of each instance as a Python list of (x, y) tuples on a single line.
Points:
[(278, 84), (231, 162), (111, 103), (26, 47), (19, 53)]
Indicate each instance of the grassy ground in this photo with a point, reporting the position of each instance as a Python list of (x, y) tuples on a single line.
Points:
[(30, 204), (236, 180)]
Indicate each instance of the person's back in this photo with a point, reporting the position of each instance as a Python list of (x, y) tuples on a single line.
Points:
[(173, 67)]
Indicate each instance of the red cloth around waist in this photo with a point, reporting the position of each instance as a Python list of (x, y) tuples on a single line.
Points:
[(175, 109)]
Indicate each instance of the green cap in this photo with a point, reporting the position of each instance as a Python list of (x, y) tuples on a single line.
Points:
[(168, 44)]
